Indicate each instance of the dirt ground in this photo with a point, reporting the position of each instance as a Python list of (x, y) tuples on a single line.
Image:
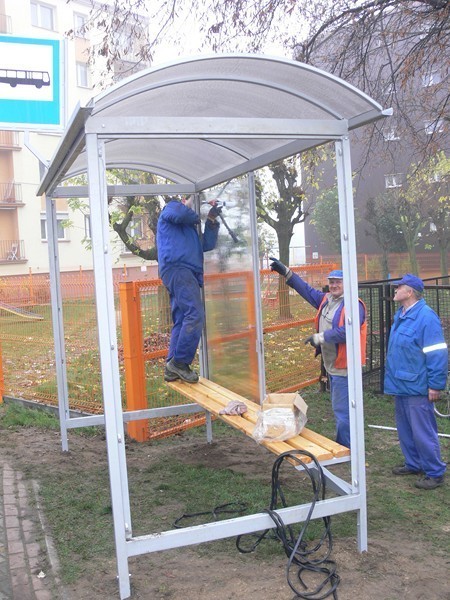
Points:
[(397, 566)]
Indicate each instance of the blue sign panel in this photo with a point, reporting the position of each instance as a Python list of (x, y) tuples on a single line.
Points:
[(30, 85)]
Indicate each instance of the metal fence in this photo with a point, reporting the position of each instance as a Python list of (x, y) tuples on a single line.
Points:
[(26, 335), (379, 299)]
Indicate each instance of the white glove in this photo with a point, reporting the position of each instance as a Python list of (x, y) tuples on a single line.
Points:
[(315, 339)]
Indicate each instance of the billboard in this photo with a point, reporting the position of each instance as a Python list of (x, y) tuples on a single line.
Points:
[(30, 83)]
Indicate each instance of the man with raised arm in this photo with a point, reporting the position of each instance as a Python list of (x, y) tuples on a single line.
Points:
[(329, 339), (180, 264)]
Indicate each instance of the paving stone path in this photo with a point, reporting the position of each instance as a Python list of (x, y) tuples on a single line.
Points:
[(27, 560)]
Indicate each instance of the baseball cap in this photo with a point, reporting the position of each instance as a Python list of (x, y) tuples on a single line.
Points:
[(411, 280), (336, 274)]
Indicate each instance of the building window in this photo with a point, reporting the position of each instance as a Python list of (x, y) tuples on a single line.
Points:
[(388, 87), (436, 177), (393, 180), (135, 230), (390, 133), (436, 126), (87, 227), (42, 15), (62, 231), (82, 75), (79, 25), (433, 77)]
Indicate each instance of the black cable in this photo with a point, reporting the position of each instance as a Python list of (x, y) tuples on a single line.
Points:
[(231, 508), (296, 549)]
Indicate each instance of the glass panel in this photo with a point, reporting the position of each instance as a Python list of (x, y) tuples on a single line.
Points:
[(229, 294)]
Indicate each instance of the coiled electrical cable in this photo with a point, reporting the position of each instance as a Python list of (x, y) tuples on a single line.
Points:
[(231, 508), (296, 548), (299, 555)]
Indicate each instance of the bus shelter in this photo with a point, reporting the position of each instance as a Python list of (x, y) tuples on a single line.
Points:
[(200, 123)]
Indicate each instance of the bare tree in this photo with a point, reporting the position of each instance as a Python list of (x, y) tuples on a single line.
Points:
[(395, 50), (433, 182), (384, 229)]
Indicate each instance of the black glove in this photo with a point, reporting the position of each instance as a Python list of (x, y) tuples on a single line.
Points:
[(277, 265), (314, 340), (214, 212)]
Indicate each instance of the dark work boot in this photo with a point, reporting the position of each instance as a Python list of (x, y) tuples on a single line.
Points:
[(429, 483), (182, 371), (169, 376), (404, 470)]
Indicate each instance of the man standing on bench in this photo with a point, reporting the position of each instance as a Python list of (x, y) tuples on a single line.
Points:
[(330, 338), (180, 263)]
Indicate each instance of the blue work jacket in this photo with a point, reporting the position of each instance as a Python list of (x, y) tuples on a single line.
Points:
[(417, 356), (178, 241)]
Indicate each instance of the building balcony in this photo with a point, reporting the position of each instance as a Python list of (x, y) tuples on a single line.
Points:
[(12, 251), (5, 24), (9, 140), (10, 195)]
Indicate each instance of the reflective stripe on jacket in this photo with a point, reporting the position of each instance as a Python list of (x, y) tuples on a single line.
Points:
[(417, 356)]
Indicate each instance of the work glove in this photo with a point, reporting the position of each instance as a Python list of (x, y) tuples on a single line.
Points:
[(315, 340), (214, 212), (277, 265)]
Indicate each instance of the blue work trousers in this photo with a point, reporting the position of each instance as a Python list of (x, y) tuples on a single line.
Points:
[(417, 433), (188, 314), (339, 403)]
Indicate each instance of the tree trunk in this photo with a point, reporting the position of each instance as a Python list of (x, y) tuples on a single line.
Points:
[(385, 264), (413, 259), (283, 290), (164, 312), (443, 250)]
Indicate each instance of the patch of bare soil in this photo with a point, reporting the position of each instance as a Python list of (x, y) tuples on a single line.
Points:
[(397, 566)]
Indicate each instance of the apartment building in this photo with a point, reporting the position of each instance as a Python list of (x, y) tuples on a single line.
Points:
[(385, 155), (25, 26)]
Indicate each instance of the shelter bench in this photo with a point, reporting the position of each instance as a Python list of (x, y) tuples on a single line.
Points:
[(213, 398)]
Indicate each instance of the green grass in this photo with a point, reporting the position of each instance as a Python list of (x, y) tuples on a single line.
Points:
[(163, 487), (15, 416)]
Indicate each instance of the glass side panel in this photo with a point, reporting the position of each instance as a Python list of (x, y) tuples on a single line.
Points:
[(229, 294)]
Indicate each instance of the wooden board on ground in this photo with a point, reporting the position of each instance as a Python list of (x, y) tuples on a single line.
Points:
[(213, 398)]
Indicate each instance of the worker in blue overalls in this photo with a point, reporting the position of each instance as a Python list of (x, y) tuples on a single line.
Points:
[(416, 373), (180, 262)]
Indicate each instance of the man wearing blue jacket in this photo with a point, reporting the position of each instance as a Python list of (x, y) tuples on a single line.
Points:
[(180, 263), (330, 338), (416, 372)]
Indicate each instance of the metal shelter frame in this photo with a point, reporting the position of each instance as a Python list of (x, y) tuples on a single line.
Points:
[(200, 122)]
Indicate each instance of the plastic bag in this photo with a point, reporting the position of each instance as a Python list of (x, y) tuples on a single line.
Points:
[(283, 416)]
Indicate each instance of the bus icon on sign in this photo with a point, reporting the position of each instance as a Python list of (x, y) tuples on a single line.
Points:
[(15, 77)]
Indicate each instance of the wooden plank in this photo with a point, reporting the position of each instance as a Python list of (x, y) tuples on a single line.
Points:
[(196, 392), (228, 394), (214, 397), (299, 443), (336, 449)]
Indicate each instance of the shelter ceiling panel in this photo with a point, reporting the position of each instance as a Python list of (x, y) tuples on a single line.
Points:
[(258, 103), (193, 86)]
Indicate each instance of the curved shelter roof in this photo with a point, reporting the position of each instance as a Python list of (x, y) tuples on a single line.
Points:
[(204, 120)]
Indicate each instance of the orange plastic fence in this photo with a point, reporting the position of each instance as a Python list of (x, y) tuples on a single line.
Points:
[(146, 325), (2, 380), (28, 346)]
